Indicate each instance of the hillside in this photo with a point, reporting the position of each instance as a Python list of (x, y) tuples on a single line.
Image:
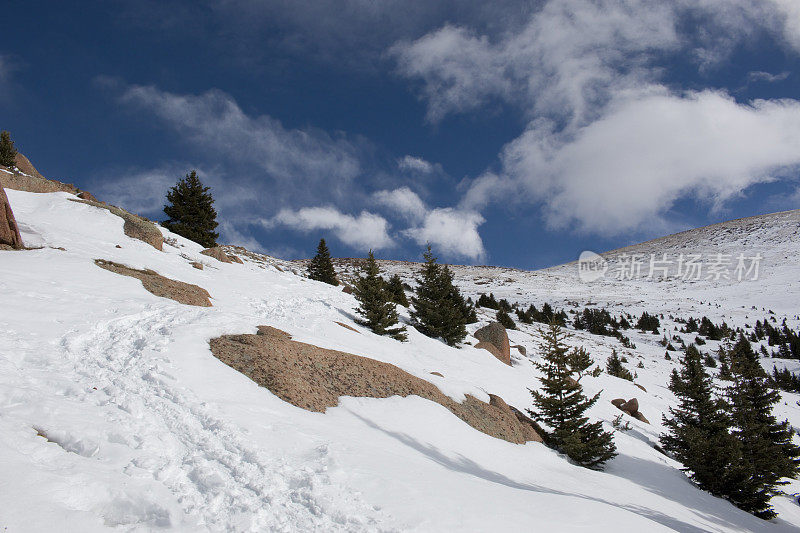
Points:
[(115, 414)]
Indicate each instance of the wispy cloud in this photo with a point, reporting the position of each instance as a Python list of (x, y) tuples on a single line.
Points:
[(767, 77)]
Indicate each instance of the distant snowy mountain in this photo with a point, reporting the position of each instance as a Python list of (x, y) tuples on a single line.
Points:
[(114, 414)]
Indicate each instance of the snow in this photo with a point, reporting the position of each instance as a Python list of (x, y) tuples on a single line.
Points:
[(114, 414)]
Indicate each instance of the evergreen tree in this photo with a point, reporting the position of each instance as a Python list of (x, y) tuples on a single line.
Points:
[(768, 453), (397, 293), (561, 404), (191, 211), (379, 312), (506, 320), (439, 309), (698, 430), (614, 367), (579, 361), (8, 153), (320, 268)]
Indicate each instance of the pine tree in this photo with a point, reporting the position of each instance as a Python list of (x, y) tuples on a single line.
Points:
[(561, 404), (379, 312), (579, 361), (396, 291), (768, 453), (698, 430), (8, 153), (614, 367), (504, 318), (439, 309), (191, 211), (320, 268)]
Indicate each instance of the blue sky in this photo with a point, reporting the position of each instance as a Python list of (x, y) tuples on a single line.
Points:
[(510, 133)]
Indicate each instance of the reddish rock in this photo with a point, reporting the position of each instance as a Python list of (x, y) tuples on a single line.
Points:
[(640, 416), (645, 390), (631, 406), (347, 289), (9, 232), (86, 195), (495, 334), (618, 401), (218, 253)]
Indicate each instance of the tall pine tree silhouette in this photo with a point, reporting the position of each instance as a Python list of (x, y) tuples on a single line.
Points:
[(439, 309), (768, 453), (698, 429), (191, 211), (378, 311), (320, 268), (561, 404), (8, 153)]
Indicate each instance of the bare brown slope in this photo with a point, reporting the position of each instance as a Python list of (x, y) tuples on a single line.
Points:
[(153, 282), (314, 378)]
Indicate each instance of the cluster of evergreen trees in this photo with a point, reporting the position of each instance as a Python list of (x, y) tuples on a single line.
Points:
[(8, 154), (439, 309), (730, 442), (787, 340), (784, 380), (561, 404), (648, 322)]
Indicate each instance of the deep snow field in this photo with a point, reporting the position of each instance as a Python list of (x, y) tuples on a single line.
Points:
[(115, 415)]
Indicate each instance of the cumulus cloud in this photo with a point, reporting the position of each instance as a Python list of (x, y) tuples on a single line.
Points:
[(631, 165), (609, 146), (404, 201), (366, 231), (451, 231)]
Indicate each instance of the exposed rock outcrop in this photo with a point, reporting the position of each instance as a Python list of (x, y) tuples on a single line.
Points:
[(495, 334), (314, 378), (9, 232), (135, 226), (219, 254), (29, 179), (157, 284), (521, 349)]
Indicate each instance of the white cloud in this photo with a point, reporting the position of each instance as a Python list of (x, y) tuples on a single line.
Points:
[(415, 164), (451, 231), (404, 201), (790, 10), (608, 147), (299, 160), (630, 166), (140, 191), (366, 231), (767, 77)]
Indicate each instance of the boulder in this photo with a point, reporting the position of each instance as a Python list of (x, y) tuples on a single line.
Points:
[(645, 390), (219, 254), (521, 349), (347, 289), (491, 348), (9, 232), (495, 334), (631, 406)]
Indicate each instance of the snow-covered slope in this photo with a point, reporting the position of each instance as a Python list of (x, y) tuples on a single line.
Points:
[(115, 414)]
